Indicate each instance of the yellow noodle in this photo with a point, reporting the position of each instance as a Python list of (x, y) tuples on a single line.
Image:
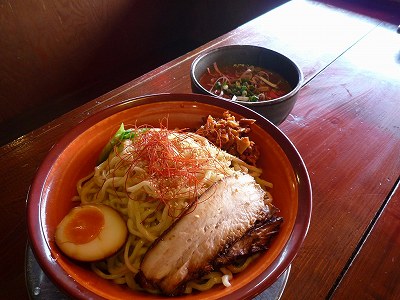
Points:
[(98, 271), (132, 261), (212, 279), (122, 182), (239, 268)]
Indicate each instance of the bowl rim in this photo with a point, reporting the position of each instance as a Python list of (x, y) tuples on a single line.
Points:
[(202, 55), (36, 233)]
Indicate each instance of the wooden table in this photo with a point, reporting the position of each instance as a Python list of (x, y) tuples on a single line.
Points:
[(346, 126)]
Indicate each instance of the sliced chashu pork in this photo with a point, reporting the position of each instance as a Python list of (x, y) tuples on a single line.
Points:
[(224, 214), (258, 238)]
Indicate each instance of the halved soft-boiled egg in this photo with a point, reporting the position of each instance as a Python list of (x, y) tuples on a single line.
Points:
[(91, 232)]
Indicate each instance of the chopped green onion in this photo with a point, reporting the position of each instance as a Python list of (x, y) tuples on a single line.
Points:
[(119, 136), (253, 98)]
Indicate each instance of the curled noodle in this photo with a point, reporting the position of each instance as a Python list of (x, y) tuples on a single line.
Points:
[(150, 194)]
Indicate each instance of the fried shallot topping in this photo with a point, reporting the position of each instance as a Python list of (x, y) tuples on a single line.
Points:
[(232, 136)]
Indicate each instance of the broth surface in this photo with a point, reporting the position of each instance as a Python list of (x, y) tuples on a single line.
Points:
[(244, 83)]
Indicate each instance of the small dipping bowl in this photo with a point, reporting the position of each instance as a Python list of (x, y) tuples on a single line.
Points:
[(275, 110)]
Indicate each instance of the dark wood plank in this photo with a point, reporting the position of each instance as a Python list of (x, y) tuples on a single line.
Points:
[(347, 128), (375, 273)]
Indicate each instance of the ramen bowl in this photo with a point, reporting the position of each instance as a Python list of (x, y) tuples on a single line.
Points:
[(74, 156), (275, 110)]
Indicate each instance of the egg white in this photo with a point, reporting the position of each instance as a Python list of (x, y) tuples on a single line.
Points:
[(109, 240)]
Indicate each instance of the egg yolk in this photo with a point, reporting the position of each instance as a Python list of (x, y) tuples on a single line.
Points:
[(84, 225)]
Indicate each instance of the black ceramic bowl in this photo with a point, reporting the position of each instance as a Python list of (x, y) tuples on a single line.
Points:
[(275, 110)]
